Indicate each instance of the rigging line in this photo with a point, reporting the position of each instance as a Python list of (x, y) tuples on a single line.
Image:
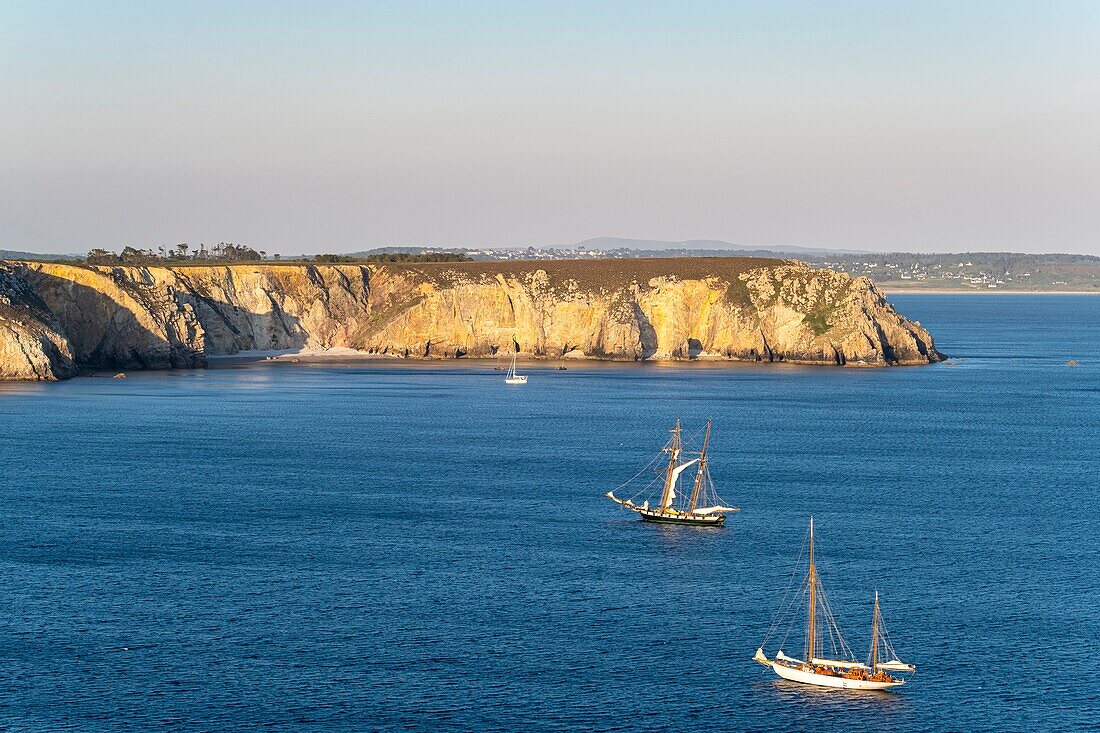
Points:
[(790, 585), (784, 611), (886, 642), (834, 635), (644, 468), (645, 489), (713, 489), (798, 600), (692, 437), (831, 620), (831, 617)]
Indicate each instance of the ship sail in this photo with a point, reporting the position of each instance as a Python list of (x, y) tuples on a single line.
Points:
[(676, 477), (681, 468)]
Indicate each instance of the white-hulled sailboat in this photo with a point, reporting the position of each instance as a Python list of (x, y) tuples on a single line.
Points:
[(836, 665), (511, 377), (702, 507)]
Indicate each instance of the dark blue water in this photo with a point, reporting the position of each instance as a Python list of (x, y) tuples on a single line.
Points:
[(385, 546)]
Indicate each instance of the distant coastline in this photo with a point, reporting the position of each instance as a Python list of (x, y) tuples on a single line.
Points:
[(1004, 272), (890, 290)]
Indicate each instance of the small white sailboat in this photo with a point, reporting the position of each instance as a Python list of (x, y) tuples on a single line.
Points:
[(512, 377), (702, 507), (836, 665)]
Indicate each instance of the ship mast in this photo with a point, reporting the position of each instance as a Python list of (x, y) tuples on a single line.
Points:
[(811, 630), (673, 460), (874, 636), (702, 470)]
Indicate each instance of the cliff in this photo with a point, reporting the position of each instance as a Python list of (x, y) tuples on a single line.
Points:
[(60, 316), (32, 345)]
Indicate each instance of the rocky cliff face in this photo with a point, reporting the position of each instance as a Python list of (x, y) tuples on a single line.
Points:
[(735, 308), (32, 345)]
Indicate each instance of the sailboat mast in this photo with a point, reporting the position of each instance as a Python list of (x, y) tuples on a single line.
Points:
[(874, 636), (811, 630), (673, 460), (699, 477)]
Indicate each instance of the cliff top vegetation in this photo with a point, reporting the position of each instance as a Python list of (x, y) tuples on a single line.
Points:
[(228, 252), (594, 274)]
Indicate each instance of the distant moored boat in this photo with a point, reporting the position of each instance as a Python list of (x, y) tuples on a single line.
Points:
[(512, 377)]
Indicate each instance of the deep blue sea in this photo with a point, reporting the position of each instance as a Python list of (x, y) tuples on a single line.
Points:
[(385, 546)]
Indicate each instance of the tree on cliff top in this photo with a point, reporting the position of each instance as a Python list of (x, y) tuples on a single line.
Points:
[(221, 252), (102, 257)]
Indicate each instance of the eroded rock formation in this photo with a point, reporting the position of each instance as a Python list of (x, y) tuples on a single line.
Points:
[(68, 316), (32, 345)]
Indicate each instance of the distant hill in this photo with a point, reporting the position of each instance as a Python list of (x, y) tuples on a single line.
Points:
[(973, 271), (638, 247), (691, 245), (11, 254), (404, 251)]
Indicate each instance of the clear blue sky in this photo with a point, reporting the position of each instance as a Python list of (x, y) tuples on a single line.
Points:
[(336, 126)]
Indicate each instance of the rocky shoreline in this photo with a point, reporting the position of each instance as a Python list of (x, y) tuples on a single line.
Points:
[(56, 319)]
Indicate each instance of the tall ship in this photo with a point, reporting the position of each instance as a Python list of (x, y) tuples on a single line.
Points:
[(701, 506), (827, 660)]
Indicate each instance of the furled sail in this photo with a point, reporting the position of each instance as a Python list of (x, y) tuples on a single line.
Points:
[(785, 658), (625, 502), (841, 663), (896, 665), (716, 508)]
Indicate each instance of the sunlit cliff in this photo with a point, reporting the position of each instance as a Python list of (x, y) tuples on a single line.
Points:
[(58, 318)]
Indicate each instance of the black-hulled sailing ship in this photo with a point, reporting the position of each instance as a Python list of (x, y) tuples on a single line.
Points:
[(701, 506)]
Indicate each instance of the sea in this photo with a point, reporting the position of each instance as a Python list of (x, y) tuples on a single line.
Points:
[(386, 546)]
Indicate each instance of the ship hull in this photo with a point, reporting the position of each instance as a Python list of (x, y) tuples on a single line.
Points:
[(713, 520), (824, 680)]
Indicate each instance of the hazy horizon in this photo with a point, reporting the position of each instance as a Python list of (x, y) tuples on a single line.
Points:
[(343, 126), (655, 245)]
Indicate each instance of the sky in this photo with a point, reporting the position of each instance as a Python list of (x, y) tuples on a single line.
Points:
[(339, 126)]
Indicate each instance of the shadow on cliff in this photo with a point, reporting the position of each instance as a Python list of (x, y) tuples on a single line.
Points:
[(228, 328), (647, 335), (109, 333)]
